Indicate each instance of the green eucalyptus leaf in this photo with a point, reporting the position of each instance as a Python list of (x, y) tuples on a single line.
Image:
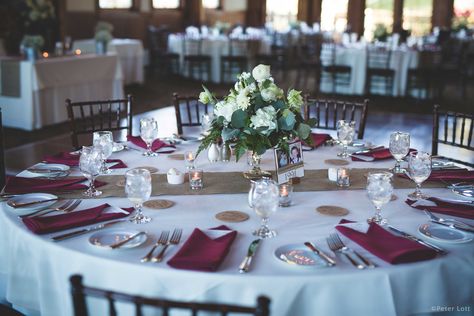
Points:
[(287, 120), (279, 104), (303, 131), (229, 133), (239, 118)]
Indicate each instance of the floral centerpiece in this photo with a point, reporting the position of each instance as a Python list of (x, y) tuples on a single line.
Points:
[(381, 32), (103, 35), (255, 116), (31, 45)]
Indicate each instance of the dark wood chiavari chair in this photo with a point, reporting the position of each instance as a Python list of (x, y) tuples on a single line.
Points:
[(379, 74), (338, 75), (89, 117), (235, 62), (309, 60), (453, 129), (328, 112), (160, 58), (421, 81), (188, 111), (80, 292), (195, 62)]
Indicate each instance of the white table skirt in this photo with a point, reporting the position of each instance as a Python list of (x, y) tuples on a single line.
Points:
[(37, 269)]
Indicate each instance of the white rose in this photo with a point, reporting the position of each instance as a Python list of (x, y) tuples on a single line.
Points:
[(261, 72), (205, 97), (264, 117)]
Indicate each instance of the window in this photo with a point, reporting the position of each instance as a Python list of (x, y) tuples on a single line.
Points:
[(280, 14), (377, 12), (115, 4), (334, 15), (417, 16), (211, 4), (463, 14), (165, 4)]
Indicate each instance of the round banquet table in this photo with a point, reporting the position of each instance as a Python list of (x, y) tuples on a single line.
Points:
[(34, 270)]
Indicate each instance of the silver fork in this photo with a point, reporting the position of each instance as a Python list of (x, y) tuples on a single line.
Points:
[(366, 261), (175, 238), (66, 208), (336, 248), (450, 223), (161, 241), (57, 208)]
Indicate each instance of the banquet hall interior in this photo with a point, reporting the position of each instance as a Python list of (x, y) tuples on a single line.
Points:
[(232, 157)]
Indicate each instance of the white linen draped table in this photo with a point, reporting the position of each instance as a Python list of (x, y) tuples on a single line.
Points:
[(130, 53), (36, 270)]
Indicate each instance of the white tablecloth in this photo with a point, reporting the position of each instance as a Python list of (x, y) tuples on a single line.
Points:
[(47, 83), (129, 51), (35, 270)]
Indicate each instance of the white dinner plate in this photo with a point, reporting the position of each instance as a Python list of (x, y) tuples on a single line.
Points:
[(466, 193), (105, 239), (31, 197), (117, 147), (444, 234), (298, 255), (51, 170), (439, 163)]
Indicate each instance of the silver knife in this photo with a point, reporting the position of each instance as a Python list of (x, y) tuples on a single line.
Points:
[(85, 230), (367, 150), (455, 201), (452, 225), (418, 240), (126, 240), (328, 259), (245, 265)]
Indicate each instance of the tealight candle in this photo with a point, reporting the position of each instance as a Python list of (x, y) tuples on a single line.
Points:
[(77, 52), (343, 177), (286, 189), (189, 160), (45, 54), (195, 179)]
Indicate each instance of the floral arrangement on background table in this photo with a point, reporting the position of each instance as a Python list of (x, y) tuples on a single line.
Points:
[(255, 116), (31, 45), (103, 35)]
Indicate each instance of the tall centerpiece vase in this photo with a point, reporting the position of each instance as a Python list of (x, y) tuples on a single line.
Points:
[(100, 47), (31, 53), (255, 173)]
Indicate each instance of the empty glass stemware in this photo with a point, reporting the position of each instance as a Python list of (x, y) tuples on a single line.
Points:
[(379, 191), (345, 135), (265, 199), (399, 146), (419, 169), (148, 132), (138, 190), (104, 142), (206, 121), (90, 163)]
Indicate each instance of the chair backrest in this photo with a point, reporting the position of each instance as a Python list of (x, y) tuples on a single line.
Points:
[(80, 292), (328, 112), (452, 128), (89, 117), (192, 46), (328, 54), (2, 154), (310, 46), (378, 57), (188, 111), (158, 39), (237, 47)]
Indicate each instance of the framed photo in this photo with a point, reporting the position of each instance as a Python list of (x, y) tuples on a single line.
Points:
[(289, 164)]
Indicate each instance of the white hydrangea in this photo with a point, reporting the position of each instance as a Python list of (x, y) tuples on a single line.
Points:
[(264, 117), (244, 76), (252, 87), (271, 93), (225, 109)]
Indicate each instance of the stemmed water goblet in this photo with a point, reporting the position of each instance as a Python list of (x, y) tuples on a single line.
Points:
[(419, 169), (148, 132), (379, 191), (138, 190), (104, 142), (90, 163), (345, 135), (265, 199), (399, 146)]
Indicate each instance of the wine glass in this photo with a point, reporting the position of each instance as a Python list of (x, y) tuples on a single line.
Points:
[(399, 146), (148, 132), (345, 135), (90, 163), (379, 191), (104, 142), (265, 199), (419, 169), (138, 189)]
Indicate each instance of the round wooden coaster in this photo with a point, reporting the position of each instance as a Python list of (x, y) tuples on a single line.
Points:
[(232, 216), (176, 156), (332, 210), (158, 204), (151, 169), (394, 197), (336, 162), (120, 183)]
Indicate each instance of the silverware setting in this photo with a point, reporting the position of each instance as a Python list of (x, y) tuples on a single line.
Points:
[(336, 245), (455, 224), (439, 250), (330, 261), (252, 250), (86, 230), (455, 201), (66, 207), (126, 240), (161, 242), (174, 240), (16, 205)]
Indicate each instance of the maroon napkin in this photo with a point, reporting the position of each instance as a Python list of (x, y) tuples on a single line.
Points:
[(72, 160), (452, 175), (50, 224), (157, 144), (319, 139), (386, 246), (377, 154), (202, 253), (443, 207), (20, 185)]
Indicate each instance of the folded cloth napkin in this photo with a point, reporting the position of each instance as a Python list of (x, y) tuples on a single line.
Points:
[(50, 224), (386, 246), (319, 139), (377, 154), (72, 160), (452, 175), (433, 204), (203, 253), (20, 185), (157, 144)]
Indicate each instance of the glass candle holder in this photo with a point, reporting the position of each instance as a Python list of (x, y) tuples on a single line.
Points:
[(189, 160), (286, 190), (343, 177), (195, 179)]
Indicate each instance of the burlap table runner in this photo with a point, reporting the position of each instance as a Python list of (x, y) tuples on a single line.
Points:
[(234, 182)]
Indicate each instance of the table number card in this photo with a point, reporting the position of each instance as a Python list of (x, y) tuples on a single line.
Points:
[(289, 164)]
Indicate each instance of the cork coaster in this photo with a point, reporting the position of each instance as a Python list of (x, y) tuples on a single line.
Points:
[(151, 169), (332, 210), (121, 183), (158, 204), (176, 156), (232, 216), (394, 197), (336, 162)]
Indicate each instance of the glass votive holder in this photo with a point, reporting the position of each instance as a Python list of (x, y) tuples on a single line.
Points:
[(195, 179), (189, 160), (343, 177), (286, 190)]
